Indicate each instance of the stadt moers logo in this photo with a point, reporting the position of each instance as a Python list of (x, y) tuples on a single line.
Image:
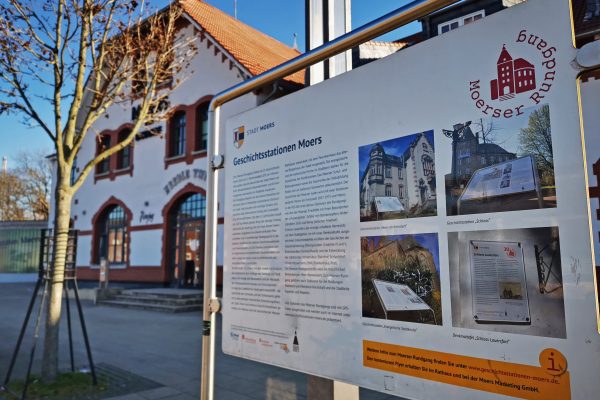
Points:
[(238, 137), (517, 78)]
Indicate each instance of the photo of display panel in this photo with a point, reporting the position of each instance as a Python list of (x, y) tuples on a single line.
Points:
[(499, 284), (501, 164)]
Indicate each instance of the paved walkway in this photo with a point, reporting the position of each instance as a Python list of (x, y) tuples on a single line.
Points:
[(164, 348)]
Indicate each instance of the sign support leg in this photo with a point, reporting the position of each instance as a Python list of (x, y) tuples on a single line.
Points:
[(210, 261)]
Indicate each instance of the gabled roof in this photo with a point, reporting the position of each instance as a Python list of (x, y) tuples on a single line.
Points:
[(491, 148), (522, 63), (254, 50)]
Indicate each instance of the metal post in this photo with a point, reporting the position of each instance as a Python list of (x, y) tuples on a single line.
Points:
[(84, 331), (22, 333), (66, 290), (40, 280), (36, 335), (402, 16)]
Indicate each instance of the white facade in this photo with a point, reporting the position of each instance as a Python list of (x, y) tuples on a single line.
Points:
[(410, 177), (154, 183)]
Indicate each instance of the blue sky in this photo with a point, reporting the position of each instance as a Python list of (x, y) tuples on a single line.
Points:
[(395, 147), (426, 240), (506, 130), (280, 19)]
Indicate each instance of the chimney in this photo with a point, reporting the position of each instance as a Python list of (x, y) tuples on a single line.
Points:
[(4, 164)]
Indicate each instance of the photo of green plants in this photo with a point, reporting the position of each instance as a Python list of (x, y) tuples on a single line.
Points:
[(411, 260)]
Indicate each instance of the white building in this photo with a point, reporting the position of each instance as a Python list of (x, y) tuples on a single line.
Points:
[(410, 177), (143, 209)]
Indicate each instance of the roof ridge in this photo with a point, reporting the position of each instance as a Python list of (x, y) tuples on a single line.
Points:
[(240, 22), (254, 50)]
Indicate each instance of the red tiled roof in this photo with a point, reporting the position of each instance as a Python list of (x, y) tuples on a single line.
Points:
[(254, 50)]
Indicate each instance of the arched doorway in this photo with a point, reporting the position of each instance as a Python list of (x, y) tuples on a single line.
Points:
[(185, 241), (110, 238)]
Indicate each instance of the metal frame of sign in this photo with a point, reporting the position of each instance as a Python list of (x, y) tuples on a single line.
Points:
[(404, 15)]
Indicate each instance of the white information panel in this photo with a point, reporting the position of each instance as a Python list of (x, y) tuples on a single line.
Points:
[(499, 284), (303, 250), (515, 176), (396, 297), (388, 204)]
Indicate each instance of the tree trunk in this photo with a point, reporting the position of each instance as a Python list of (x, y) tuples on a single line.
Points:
[(57, 273)]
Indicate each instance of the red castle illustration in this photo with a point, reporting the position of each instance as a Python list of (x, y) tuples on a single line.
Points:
[(514, 77)]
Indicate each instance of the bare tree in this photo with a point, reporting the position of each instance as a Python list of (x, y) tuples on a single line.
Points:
[(487, 130), (35, 173), (11, 208), (25, 189), (79, 58)]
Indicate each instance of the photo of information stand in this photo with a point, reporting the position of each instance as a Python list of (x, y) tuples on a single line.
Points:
[(395, 297), (499, 282), (388, 206), (502, 187)]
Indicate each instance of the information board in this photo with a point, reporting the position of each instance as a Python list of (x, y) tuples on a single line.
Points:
[(499, 284), (514, 176), (302, 250), (396, 297), (388, 204)]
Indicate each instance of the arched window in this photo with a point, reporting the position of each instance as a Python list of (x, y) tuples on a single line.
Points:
[(112, 236), (201, 137), (428, 165), (124, 155), (177, 135), (103, 144), (388, 190), (192, 207)]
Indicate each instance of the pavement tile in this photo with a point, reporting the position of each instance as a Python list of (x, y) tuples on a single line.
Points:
[(225, 394), (238, 385), (181, 396), (160, 347), (132, 396), (190, 387), (159, 393)]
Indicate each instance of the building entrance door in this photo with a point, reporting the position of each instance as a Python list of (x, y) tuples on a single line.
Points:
[(188, 271), (186, 242)]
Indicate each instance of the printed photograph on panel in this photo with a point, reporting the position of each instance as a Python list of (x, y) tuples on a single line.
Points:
[(507, 281), (501, 164), (401, 278), (397, 178)]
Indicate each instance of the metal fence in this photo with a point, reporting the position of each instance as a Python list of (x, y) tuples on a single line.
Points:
[(20, 246)]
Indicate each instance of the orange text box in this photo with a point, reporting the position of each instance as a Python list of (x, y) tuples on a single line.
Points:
[(517, 380)]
